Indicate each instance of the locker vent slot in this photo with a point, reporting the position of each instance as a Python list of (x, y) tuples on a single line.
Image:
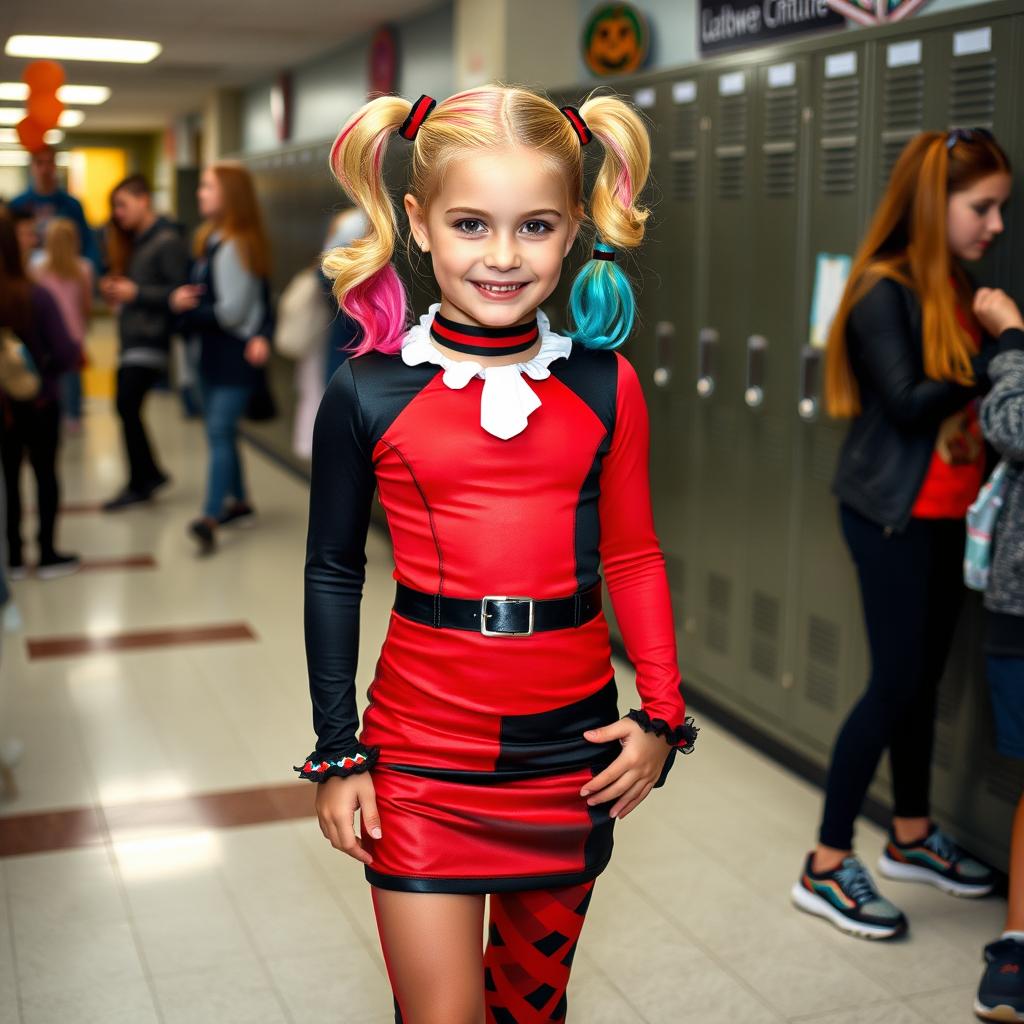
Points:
[(822, 662), (764, 642), (902, 112), (781, 129), (972, 95), (1004, 777), (684, 174), (731, 149), (840, 130), (825, 445), (685, 126), (675, 568), (771, 441), (719, 605)]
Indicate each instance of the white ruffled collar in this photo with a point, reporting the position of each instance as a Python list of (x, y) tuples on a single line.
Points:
[(507, 399)]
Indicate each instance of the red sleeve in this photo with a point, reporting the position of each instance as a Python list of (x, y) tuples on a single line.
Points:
[(634, 567)]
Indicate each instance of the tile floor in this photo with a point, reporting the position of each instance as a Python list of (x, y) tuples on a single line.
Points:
[(265, 923)]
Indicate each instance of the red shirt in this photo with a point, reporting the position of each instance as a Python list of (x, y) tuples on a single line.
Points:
[(950, 488)]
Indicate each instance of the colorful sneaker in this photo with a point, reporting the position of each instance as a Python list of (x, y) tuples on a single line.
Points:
[(1001, 992), (847, 897), (938, 861)]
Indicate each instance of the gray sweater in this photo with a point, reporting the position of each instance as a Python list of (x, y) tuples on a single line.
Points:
[(1002, 420)]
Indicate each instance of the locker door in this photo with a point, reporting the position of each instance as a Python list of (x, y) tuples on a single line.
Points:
[(673, 369), (829, 652), (720, 463), (771, 351)]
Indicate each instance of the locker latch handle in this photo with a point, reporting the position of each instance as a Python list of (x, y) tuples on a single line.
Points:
[(757, 348), (664, 335), (707, 340), (810, 364)]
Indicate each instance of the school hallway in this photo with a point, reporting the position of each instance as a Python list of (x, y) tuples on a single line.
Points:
[(161, 863)]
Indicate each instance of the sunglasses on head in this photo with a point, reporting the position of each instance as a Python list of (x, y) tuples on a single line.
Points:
[(955, 135)]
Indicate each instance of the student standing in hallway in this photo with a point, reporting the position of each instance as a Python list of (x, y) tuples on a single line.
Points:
[(227, 306), (148, 260), (906, 362)]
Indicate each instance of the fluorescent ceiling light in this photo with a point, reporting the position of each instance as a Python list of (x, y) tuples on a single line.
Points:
[(54, 137), (68, 119), (117, 51), (87, 95), (14, 158), (9, 137)]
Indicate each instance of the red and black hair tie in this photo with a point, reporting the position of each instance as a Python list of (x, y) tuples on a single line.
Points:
[(575, 118), (420, 110)]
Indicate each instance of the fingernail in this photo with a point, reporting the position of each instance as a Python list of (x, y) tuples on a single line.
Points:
[(584, 792), (613, 814), (375, 832)]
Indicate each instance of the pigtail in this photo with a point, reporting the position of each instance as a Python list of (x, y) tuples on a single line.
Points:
[(601, 302), (366, 284)]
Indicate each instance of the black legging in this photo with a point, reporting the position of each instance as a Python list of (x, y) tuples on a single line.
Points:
[(133, 384), (36, 429), (911, 586)]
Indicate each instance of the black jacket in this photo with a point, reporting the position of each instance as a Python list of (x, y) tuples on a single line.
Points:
[(886, 454), (158, 264)]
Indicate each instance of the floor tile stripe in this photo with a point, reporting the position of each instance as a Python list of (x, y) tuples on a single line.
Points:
[(85, 826), (68, 646), (126, 562)]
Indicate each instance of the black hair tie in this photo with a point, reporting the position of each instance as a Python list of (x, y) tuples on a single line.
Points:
[(420, 110), (575, 118)]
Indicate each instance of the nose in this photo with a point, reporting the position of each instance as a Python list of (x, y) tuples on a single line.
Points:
[(502, 253), (996, 221)]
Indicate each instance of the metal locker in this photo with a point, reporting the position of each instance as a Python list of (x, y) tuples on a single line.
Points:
[(828, 643), (720, 463)]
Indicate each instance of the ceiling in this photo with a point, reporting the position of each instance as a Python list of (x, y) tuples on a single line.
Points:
[(207, 44)]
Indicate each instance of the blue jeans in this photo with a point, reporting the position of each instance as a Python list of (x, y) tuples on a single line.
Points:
[(222, 409), (1006, 684), (71, 394)]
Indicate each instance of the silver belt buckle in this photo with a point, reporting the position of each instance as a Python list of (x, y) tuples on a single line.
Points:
[(502, 597)]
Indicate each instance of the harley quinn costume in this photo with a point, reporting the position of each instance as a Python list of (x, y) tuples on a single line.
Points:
[(478, 705)]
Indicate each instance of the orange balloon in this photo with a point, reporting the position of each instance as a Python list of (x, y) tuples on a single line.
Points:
[(44, 108), (31, 134), (44, 76)]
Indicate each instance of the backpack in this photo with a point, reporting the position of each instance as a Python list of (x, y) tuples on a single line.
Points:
[(19, 378), (981, 525), (303, 317)]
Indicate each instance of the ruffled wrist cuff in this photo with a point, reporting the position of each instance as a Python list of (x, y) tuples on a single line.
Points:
[(682, 737), (318, 768)]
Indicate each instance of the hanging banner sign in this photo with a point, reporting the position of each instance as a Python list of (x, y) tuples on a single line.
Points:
[(733, 25)]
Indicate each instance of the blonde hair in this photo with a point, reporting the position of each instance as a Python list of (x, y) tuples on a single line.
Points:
[(63, 249), (488, 118)]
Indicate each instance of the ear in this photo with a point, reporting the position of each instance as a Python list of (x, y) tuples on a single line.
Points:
[(417, 221)]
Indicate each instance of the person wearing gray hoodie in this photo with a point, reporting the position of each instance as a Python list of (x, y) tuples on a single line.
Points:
[(1001, 991)]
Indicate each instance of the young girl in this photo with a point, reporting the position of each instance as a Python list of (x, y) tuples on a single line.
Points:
[(227, 307), (510, 461), (67, 276), (906, 362)]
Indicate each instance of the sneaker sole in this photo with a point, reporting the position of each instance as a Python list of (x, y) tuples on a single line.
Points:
[(999, 1013), (897, 872), (812, 904), (14, 575), (53, 572)]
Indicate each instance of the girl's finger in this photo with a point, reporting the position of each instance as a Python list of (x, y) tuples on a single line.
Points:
[(616, 789), (369, 817), (632, 799), (350, 843), (623, 763)]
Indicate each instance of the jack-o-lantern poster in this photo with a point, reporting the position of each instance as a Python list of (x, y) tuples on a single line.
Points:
[(616, 40)]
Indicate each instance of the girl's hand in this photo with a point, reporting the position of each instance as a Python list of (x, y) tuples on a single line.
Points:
[(996, 311), (183, 299), (632, 775), (336, 802), (257, 350)]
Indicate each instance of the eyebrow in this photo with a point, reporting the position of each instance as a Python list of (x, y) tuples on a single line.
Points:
[(485, 214)]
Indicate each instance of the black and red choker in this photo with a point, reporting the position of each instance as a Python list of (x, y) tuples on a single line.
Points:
[(484, 341)]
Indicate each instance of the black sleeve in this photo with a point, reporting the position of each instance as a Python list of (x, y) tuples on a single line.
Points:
[(341, 493), (886, 346), (172, 267)]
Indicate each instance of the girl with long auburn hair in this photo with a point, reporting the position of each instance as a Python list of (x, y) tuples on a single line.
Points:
[(906, 362), (68, 276), (509, 460), (227, 306)]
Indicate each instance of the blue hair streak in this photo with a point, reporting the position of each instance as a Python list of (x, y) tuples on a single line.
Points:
[(601, 305)]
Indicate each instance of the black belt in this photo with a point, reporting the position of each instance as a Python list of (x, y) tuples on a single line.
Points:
[(498, 615)]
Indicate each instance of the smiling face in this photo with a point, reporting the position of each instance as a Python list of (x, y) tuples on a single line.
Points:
[(497, 232), (974, 216)]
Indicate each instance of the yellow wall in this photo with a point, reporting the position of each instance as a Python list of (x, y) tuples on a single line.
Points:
[(92, 173)]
